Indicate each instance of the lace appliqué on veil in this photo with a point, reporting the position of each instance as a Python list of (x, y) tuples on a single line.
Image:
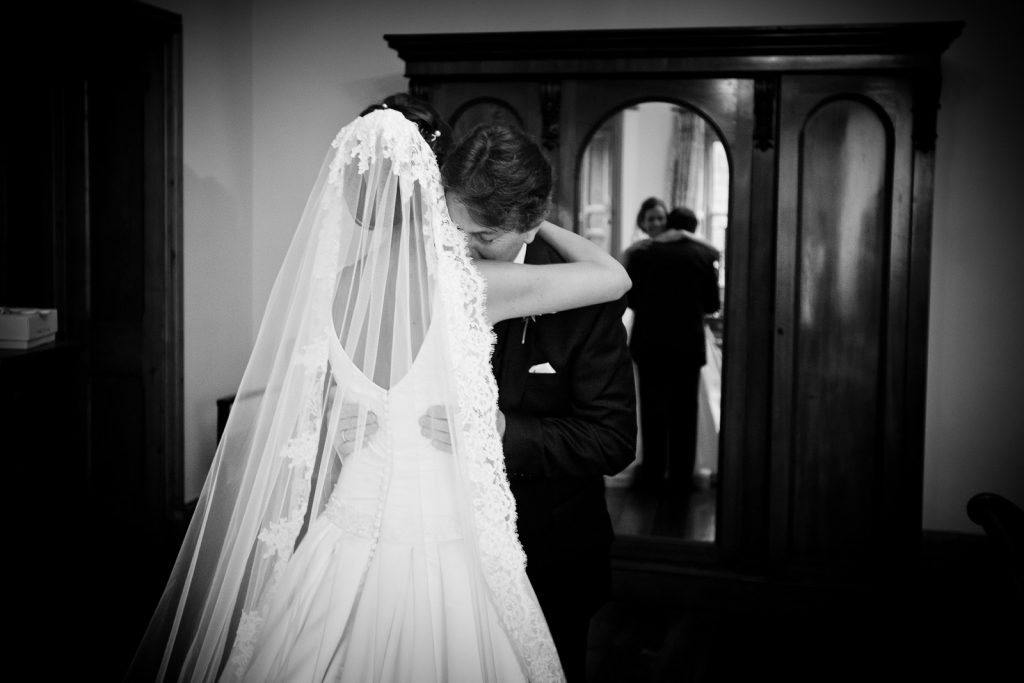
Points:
[(277, 537), (502, 557), (397, 140)]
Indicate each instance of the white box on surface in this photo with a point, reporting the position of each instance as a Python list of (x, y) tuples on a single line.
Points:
[(26, 343), (27, 324)]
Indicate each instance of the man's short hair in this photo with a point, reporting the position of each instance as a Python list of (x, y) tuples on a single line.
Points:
[(681, 218), (501, 175)]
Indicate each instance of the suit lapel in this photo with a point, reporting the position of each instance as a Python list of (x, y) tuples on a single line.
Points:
[(511, 366), (511, 356)]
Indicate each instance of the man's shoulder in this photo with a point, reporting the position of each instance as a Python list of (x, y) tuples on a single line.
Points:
[(639, 248), (690, 247), (539, 252), (707, 251)]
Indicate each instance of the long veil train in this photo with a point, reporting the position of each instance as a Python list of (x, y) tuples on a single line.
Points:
[(375, 267)]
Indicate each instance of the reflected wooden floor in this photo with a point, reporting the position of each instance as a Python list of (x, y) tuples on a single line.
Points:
[(668, 513)]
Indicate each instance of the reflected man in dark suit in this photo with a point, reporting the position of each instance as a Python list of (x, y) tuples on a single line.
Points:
[(675, 284)]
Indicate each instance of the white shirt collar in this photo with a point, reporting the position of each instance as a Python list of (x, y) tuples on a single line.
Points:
[(521, 256)]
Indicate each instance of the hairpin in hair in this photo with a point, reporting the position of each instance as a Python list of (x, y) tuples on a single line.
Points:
[(383, 105), (436, 134)]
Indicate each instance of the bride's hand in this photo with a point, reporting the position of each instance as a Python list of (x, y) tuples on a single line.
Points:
[(434, 426), (348, 427)]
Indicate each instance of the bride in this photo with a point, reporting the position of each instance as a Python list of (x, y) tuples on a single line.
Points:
[(331, 541)]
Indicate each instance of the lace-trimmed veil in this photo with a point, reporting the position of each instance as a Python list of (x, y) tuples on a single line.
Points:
[(374, 264)]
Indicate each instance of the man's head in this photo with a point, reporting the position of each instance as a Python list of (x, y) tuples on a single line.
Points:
[(498, 186), (681, 218)]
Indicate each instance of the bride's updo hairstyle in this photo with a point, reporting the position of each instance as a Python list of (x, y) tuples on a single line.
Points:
[(501, 175), (433, 128)]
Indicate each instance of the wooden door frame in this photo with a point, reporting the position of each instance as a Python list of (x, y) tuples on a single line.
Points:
[(163, 334)]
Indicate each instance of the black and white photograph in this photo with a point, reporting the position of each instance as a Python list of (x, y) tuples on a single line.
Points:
[(586, 341)]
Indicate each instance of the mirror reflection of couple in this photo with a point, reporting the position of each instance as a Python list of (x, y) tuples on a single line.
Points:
[(674, 274), (410, 483)]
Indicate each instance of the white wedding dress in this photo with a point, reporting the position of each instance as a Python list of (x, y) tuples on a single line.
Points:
[(362, 600)]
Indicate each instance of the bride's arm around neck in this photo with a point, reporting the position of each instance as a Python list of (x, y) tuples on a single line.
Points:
[(589, 276)]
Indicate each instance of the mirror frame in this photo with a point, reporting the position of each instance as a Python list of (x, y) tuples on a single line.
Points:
[(727, 105), (664, 546)]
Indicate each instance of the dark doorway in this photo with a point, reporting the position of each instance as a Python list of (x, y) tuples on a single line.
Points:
[(90, 225)]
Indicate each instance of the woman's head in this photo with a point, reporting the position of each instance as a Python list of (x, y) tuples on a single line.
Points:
[(433, 128), (651, 217)]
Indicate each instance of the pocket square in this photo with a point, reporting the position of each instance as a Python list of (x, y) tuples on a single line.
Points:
[(542, 369)]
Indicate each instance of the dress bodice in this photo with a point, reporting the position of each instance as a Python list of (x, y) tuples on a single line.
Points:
[(399, 407), (398, 486)]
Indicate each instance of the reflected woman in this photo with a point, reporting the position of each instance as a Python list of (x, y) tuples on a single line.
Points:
[(652, 217)]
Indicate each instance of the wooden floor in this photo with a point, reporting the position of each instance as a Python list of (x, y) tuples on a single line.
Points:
[(666, 512), (891, 641), (956, 618), (84, 626), (630, 642), (78, 609)]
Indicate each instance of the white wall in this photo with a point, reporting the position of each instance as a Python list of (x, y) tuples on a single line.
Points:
[(974, 435), (218, 237), (315, 64), (646, 134)]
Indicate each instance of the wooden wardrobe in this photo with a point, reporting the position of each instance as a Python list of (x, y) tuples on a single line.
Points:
[(830, 136)]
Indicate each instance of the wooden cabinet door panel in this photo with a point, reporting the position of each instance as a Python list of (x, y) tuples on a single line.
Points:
[(843, 217)]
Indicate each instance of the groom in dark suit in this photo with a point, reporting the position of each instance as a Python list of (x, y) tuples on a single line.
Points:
[(565, 390)]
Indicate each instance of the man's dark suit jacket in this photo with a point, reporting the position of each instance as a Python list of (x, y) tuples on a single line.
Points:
[(564, 431), (674, 285)]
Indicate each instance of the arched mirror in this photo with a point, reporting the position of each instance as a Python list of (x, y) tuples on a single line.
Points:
[(670, 152)]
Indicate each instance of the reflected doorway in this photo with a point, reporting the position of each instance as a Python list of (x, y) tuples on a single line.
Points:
[(670, 152)]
